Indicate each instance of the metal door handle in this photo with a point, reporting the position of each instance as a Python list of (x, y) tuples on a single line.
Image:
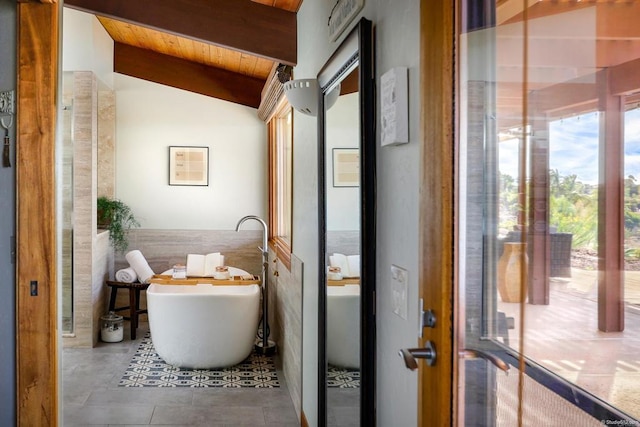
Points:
[(428, 353), (469, 353)]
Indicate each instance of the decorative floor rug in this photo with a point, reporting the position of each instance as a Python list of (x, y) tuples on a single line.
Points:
[(147, 369), (343, 377)]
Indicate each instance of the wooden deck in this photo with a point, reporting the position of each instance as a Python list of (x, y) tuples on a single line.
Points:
[(564, 337), (585, 283)]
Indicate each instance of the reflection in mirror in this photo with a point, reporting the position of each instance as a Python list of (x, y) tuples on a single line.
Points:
[(342, 184), (346, 200)]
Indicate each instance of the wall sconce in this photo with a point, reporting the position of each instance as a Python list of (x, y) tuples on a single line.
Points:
[(7, 108), (303, 95)]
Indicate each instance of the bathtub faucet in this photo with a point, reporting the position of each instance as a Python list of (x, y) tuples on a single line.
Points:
[(265, 346), (265, 233)]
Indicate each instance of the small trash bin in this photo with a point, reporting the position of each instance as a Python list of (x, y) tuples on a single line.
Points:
[(111, 327)]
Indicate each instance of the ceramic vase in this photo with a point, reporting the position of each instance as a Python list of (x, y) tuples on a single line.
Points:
[(512, 269)]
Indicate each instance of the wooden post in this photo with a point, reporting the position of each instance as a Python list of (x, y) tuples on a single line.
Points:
[(610, 208), (37, 362), (538, 230)]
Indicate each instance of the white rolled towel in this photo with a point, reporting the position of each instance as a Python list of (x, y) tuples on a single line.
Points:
[(138, 262), (126, 275)]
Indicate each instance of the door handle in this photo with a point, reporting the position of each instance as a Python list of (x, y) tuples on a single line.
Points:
[(469, 353), (428, 353)]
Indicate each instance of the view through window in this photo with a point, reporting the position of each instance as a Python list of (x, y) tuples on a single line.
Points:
[(549, 100)]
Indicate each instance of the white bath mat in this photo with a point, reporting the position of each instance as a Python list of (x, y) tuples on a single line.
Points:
[(147, 369)]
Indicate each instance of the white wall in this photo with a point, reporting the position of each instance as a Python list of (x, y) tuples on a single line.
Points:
[(150, 118), (343, 203), (312, 53), (86, 45), (397, 28)]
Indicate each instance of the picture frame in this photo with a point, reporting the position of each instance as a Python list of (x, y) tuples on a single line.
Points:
[(189, 165), (346, 167)]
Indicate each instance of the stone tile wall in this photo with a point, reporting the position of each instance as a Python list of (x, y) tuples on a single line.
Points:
[(164, 248), (285, 321), (92, 255)]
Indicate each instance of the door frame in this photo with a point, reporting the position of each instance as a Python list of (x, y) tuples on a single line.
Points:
[(37, 366), (437, 396), (439, 399)]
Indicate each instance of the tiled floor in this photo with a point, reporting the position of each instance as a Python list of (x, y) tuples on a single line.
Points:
[(343, 407), (91, 396)]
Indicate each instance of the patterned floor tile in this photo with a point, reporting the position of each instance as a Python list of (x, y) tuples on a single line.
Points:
[(343, 377), (147, 369)]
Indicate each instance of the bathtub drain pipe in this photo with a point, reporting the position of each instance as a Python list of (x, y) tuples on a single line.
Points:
[(263, 345)]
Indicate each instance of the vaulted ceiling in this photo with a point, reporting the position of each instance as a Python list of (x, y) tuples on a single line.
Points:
[(226, 49)]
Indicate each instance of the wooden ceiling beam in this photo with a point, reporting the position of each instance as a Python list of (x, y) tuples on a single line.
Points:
[(575, 94), (186, 75), (624, 78), (240, 25)]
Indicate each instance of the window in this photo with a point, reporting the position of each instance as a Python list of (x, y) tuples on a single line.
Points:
[(281, 181)]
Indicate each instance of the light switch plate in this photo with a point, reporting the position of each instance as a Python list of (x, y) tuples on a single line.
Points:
[(399, 284)]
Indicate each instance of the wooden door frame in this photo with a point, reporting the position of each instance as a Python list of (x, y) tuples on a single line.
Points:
[(36, 262), (436, 391), (37, 340)]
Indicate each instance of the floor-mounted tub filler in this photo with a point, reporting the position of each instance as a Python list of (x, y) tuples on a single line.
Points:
[(203, 326), (263, 345)]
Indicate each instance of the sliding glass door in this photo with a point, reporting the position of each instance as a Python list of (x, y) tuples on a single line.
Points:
[(549, 206)]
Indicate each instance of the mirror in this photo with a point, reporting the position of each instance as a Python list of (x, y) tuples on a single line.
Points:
[(346, 156)]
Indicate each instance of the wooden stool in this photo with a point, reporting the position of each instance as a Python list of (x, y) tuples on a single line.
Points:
[(134, 301)]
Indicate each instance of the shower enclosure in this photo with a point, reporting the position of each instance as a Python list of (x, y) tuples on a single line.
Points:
[(85, 170)]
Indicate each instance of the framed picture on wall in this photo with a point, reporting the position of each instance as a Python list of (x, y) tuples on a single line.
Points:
[(189, 166), (346, 167)]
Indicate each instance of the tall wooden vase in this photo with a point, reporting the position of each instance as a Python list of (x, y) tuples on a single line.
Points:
[(512, 269)]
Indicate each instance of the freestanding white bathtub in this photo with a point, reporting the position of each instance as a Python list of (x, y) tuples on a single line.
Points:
[(343, 326), (203, 326)]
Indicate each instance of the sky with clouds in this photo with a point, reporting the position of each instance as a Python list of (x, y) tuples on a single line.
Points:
[(574, 147)]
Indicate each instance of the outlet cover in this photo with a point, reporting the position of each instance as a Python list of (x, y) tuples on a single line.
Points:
[(399, 284)]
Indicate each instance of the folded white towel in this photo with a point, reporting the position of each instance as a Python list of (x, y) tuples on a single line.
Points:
[(126, 275), (138, 262)]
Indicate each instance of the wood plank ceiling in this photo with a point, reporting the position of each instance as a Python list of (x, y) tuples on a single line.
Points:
[(220, 48)]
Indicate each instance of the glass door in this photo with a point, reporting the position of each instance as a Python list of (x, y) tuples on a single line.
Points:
[(549, 213), (65, 206)]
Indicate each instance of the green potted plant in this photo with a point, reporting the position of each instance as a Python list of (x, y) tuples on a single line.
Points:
[(117, 217)]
